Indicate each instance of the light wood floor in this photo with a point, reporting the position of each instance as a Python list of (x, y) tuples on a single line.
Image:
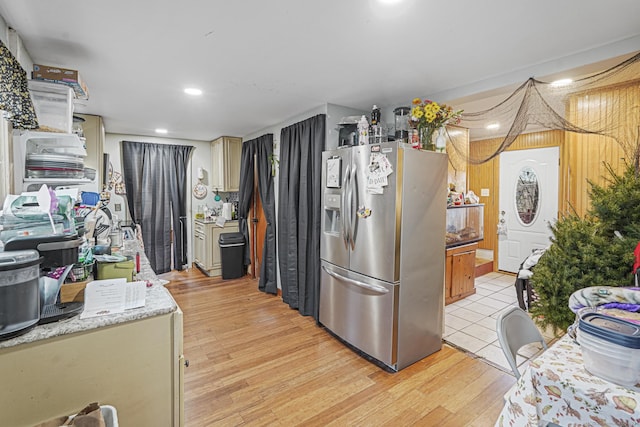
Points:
[(255, 361)]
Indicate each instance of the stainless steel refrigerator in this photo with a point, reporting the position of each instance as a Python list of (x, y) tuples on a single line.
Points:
[(383, 250)]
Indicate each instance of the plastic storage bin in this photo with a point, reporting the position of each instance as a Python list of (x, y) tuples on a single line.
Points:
[(115, 270), (231, 255), (53, 104), (610, 348)]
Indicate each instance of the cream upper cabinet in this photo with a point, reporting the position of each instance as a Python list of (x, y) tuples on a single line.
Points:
[(93, 129), (226, 153)]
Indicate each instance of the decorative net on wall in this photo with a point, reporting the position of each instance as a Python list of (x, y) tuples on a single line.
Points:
[(569, 106)]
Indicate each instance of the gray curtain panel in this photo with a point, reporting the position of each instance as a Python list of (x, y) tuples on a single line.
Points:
[(299, 213), (244, 195), (262, 149), (264, 152), (155, 177)]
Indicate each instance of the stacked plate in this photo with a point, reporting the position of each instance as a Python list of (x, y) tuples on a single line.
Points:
[(54, 166)]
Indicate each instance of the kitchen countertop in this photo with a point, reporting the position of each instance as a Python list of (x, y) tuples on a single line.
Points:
[(212, 220), (158, 301)]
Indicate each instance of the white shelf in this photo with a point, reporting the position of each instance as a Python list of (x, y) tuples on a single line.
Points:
[(26, 142), (58, 180)]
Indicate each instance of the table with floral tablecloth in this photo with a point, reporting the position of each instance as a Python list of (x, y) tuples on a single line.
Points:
[(557, 388)]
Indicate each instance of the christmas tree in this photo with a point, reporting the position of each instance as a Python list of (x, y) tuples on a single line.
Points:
[(596, 250)]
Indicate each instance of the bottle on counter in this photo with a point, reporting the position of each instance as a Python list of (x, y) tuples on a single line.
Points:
[(376, 129), (116, 234), (375, 116), (363, 131)]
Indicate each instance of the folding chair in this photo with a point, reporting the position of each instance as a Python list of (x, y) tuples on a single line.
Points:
[(515, 330)]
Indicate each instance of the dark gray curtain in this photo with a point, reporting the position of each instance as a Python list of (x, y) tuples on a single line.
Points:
[(262, 148), (299, 213), (155, 178), (244, 194)]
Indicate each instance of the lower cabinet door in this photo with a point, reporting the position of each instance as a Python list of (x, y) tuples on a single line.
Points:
[(462, 280), (199, 249)]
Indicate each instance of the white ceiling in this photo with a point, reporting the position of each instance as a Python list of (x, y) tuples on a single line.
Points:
[(261, 62)]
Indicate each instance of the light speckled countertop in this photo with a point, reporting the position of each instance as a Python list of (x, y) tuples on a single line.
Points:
[(213, 220), (158, 301)]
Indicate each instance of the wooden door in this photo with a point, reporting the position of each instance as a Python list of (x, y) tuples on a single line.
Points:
[(258, 227)]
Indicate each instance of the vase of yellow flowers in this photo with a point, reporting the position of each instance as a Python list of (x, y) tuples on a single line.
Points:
[(427, 117)]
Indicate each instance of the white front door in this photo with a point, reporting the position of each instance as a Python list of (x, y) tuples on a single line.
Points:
[(528, 203)]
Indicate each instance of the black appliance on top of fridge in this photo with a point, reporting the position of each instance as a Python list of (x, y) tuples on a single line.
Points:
[(382, 250), (348, 131)]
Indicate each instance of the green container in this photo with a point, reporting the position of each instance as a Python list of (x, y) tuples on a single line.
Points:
[(116, 270)]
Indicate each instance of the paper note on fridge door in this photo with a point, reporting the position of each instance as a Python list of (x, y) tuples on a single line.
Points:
[(377, 182), (379, 169), (334, 172)]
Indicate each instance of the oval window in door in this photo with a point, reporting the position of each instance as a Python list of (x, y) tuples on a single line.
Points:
[(527, 195)]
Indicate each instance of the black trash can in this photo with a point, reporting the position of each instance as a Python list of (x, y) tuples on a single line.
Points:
[(231, 255)]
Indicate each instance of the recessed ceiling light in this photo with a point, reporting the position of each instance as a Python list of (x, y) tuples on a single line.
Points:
[(161, 131), (561, 82), (193, 91), (492, 126)]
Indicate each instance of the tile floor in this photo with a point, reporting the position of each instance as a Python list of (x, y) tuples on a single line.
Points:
[(470, 324)]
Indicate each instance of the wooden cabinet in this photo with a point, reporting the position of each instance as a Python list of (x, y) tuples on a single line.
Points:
[(206, 251), (460, 272), (135, 366), (93, 130), (226, 153), (199, 249)]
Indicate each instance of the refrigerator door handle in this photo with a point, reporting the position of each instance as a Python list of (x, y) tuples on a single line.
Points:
[(345, 219), (368, 286), (347, 212), (353, 198)]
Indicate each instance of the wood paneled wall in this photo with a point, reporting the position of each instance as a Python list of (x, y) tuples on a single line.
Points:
[(616, 109), (582, 156)]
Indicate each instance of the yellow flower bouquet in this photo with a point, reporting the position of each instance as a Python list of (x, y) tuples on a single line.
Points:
[(428, 116)]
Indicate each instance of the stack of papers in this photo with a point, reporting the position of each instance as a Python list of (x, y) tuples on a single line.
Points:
[(112, 296)]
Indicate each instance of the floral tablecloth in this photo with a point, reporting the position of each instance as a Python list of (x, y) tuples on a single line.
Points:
[(557, 388)]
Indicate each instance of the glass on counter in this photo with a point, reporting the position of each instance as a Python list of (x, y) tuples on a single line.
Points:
[(200, 212)]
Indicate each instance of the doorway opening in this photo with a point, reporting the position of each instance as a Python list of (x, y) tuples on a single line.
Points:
[(258, 227)]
